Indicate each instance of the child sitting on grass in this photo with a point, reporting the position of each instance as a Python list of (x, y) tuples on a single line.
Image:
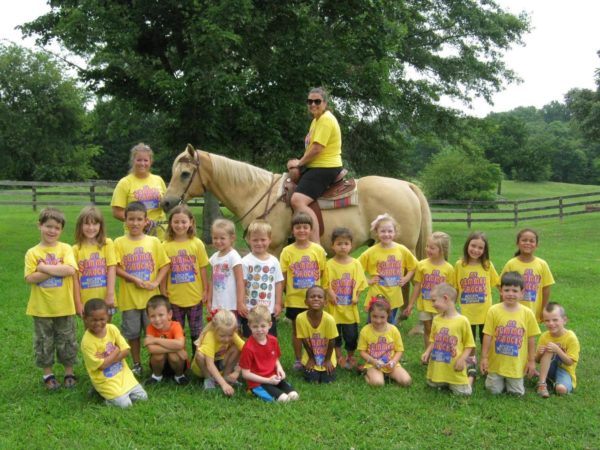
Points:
[(218, 352), (557, 353), (260, 360), (165, 342), (104, 352), (450, 344)]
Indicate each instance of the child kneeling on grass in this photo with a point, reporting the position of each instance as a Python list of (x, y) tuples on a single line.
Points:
[(450, 344), (104, 351), (260, 360), (165, 342), (557, 353), (218, 352)]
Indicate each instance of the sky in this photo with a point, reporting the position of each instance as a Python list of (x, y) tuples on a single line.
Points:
[(559, 54)]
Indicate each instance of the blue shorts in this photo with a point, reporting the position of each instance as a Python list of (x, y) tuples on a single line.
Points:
[(558, 375)]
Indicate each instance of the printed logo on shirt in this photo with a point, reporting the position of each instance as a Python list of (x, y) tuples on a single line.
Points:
[(140, 264), (319, 348), (381, 350), (93, 272), (52, 282), (305, 273), (149, 196), (509, 339), (219, 276), (389, 271), (259, 284), (114, 368), (431, 280), (343, 288), (444, 346), (473, 289), (183, 268), (531, 282)]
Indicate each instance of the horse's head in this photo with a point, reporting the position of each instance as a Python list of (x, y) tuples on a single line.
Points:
[(186, 179)]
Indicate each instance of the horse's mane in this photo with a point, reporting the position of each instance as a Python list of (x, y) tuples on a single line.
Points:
[(238, 172)]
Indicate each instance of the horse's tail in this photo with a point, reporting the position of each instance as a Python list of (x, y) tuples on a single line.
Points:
[(425, 229)]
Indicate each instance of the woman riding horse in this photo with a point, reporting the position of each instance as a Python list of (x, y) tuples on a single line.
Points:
[(322, 159)]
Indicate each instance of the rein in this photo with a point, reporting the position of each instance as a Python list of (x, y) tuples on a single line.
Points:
[(267, 208), (196, 163)]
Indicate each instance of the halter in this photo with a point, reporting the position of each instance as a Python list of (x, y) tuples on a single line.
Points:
[(196, 163)]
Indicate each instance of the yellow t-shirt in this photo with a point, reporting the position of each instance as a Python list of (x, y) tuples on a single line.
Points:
[(325, 131), (450, 337), (209, 345), (54, 296), (536, 276), (390, 264), (510, 331), (569, 344), (92, 265), (430, 275), (380, 345), (149, 191), (303, 268), (474, 285), (347, 281), (184, 285), (143, 259), (319, 338), (115, 380)]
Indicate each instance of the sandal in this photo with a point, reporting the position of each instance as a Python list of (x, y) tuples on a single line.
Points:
[(472, 371), (51, 383), (70, 381), (542, 390)]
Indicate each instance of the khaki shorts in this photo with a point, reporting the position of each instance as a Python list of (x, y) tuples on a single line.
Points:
[(55, 335), (424, 315), (496, 384), (133, 323), (458, 389)]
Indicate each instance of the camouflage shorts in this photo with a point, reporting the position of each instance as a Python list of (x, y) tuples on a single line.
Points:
[(55, 335)]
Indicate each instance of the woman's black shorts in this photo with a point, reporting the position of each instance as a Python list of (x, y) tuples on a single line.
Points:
[(315, 181)]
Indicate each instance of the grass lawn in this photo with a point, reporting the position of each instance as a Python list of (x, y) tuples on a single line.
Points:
[(346, 414)]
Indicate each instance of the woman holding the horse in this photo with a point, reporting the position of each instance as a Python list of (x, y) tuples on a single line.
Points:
[(322, 159), (141, 186)]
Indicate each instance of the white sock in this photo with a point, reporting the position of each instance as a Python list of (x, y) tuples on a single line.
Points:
[(283, 398), (293, 395), (157, 377)]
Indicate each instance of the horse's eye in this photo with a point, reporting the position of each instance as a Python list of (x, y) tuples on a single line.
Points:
[(185, 175)]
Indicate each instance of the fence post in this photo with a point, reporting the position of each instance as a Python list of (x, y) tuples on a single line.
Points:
[(469, 210), (516, 213), (34, 198), (560, 209), (93, 193)]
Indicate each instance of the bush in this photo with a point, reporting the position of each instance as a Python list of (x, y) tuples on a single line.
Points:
[(455, 174)]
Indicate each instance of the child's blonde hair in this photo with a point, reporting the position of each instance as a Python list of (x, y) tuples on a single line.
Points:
[(445, 289), (258, 314), (222, 320), (181, 209), (383, 218), (141, 147), (90, 214), (258, 226), (442, 241), (223, 225)]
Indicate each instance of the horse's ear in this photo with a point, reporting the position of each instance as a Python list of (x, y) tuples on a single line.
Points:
[(191, 151)]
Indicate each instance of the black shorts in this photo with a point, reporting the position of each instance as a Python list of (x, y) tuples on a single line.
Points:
[(246, 332), (315, 181), (292, 313), (319, 376), (348, 333)]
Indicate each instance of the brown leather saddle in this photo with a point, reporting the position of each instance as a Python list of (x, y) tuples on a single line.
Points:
[(339, 189)]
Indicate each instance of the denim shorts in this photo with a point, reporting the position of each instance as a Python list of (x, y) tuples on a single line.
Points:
[(558, 375)]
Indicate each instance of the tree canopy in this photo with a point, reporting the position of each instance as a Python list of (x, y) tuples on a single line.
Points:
[(231, 75)]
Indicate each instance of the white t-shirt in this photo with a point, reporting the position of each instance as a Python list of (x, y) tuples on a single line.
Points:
[(261, 277), (223, 280)]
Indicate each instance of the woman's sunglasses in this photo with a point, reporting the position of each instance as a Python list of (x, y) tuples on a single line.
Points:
[(316, 101)]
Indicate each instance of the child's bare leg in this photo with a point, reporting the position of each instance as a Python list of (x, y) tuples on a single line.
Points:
[(177, 363), (400, 376), (426, 332), (374, 377), (296, 343), (231, 369), (201, 360), (339, 356), (561, 389), (545, 362), (135, 350), (157, 363), (68, 370)]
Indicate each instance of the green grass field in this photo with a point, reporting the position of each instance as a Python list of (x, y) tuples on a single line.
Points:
[(346, 414)]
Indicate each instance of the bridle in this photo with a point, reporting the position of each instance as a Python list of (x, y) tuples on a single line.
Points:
[(196, 163)]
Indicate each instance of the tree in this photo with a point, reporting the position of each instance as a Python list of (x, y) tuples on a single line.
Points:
[(231, 75), (42, 119)]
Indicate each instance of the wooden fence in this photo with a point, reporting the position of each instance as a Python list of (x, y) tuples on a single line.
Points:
[(99, 192)]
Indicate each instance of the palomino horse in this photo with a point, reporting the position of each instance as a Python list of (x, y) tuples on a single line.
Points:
[(250, 192)]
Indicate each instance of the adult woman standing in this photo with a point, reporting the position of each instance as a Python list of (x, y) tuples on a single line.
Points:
[(141, 186), (322, 159)]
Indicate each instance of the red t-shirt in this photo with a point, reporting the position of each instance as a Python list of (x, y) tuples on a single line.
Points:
[(174, 332), (260, 359)]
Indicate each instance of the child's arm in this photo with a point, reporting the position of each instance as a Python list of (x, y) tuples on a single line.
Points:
[(530, 367), (280, 371), (158, 345), (163, 285), (59, 270), (332, 297), (115, 356), (204, 278), (160, 276), (216, 375), (413, 298), (327, 363), (425, 356), (36, 277), (122, 273), (278, 297), (311, 356), (77, 295), (545, 296), (406, 278), (555, 348), (461, 361), (111, 275), (240, 290), (485, 349), (248, 375), (357, 297), (209, 292)]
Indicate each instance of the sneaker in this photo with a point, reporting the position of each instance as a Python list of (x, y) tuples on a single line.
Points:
[(298, 365), (182, 380), (209, 383), (293, 396), (542, 390), (151, 382), (137, 369)]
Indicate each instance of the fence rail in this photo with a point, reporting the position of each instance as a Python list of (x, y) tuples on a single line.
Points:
[(98, 192)]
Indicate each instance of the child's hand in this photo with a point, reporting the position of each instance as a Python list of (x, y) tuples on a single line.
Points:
[(274, 380), (310, 364), (459, 365), (150, 285), (79, 308), (425, 358), (329, 366), (407, 311), (374, 280), (281, 374), (110, 300), (242, 310), (391, 364), (149, 340), (41, 267), (552, 347), (530, 369), (277, 310), (139, 283), (333, 299), (483, 365), (227, 389), (404, 280)]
